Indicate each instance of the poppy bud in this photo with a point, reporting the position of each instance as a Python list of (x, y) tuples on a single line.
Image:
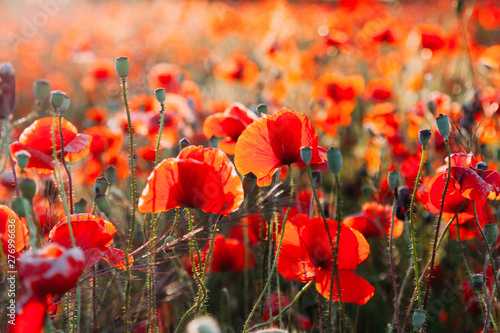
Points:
[(334, 160), (491, 233), (316, 176), (7, 90), (57, 98), (160, 95), (101, 185), (28, 188), (102, 203), (249, 181), (183, 143), (214, 141), (23, 158), (394, 180), (262, 109), (81, 206), (482, 166), (21, 206), (418, 318), (306, 154), (41, 89), (424, 136), (168, 239), (269, 213), (477, 281), (110, 174), (203, 325), (443, 125), (122, 66), (432, 107)]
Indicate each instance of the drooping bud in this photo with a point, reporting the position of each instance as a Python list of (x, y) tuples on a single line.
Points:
[(443, 125), (214, 141), (81, 206), (102, 203), (122, 66), (418, 318), (28, 188), (249, 181), (394, 180), (7, 90), (203, 325), (22, 158), (183, 143), (334, 160), (160, 95), (424, 136), (491, 233), (57, 98), (41, 89), (477, 281), (110, 174), (482, 165), (306, 154), (101, 185), (262, 109), (21, 206)]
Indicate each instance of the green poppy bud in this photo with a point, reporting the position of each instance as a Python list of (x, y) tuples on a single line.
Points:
[(122, 66), (443, 125), (102, 203), (28, 188), (306, 154), (23, 158), (101, 185), (21, 206), (334, 160), (477, 281), (41, 89), (491, 233), (214, 141), (81, 206), (168, 239), (183, 143), (418, 318), (432, 107), (57, 98), (160, 95), (482, 166), (424, 136), (262, 109), (269, 214), (7, 90), (249, 181), (110, 174), (394, 180), (65, 106)]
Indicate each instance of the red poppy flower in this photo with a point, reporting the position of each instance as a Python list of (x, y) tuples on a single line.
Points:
[(378, 90), (374, 220), (432, 37), (93, 235), (11, 228), (228, 255), (37, 140), (306, 254), (199, 177), (49, 270), (229, 125), (237, 69), (274, 141), (165, 75)]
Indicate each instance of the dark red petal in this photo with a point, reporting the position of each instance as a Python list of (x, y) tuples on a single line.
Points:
[(492, 178), (471, 185)]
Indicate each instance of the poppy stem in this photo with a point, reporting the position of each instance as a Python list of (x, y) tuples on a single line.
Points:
[(65, 166), (270, 277), (395, 319), (438, 223)]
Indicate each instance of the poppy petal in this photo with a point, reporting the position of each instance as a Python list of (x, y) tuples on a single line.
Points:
[(30, 317), (354, 289), (39, 161), (77, 148), (471, 185)]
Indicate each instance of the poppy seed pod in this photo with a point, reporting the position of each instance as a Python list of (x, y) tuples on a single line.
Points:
[(101, 185), (57, 98), (262, 109), (482, 166), (306, 154), (203, 325), (102, 203), (183, 143), (21, 206), (110, 174), (65, 106), (477, 281), (394, 180), (169, 239), (424, 136), (249, 181), (28, 188), (334, 160), (23, 158), (160, 95), (7, 90), (418, 318), (41, 89), (491, 233), (80, 206), (122, 66), (443, 125)]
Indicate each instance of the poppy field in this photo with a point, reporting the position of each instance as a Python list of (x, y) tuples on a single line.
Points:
[(249, 166)]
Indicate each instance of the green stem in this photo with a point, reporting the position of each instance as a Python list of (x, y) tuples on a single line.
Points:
[(395, 319), (65, 166)]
